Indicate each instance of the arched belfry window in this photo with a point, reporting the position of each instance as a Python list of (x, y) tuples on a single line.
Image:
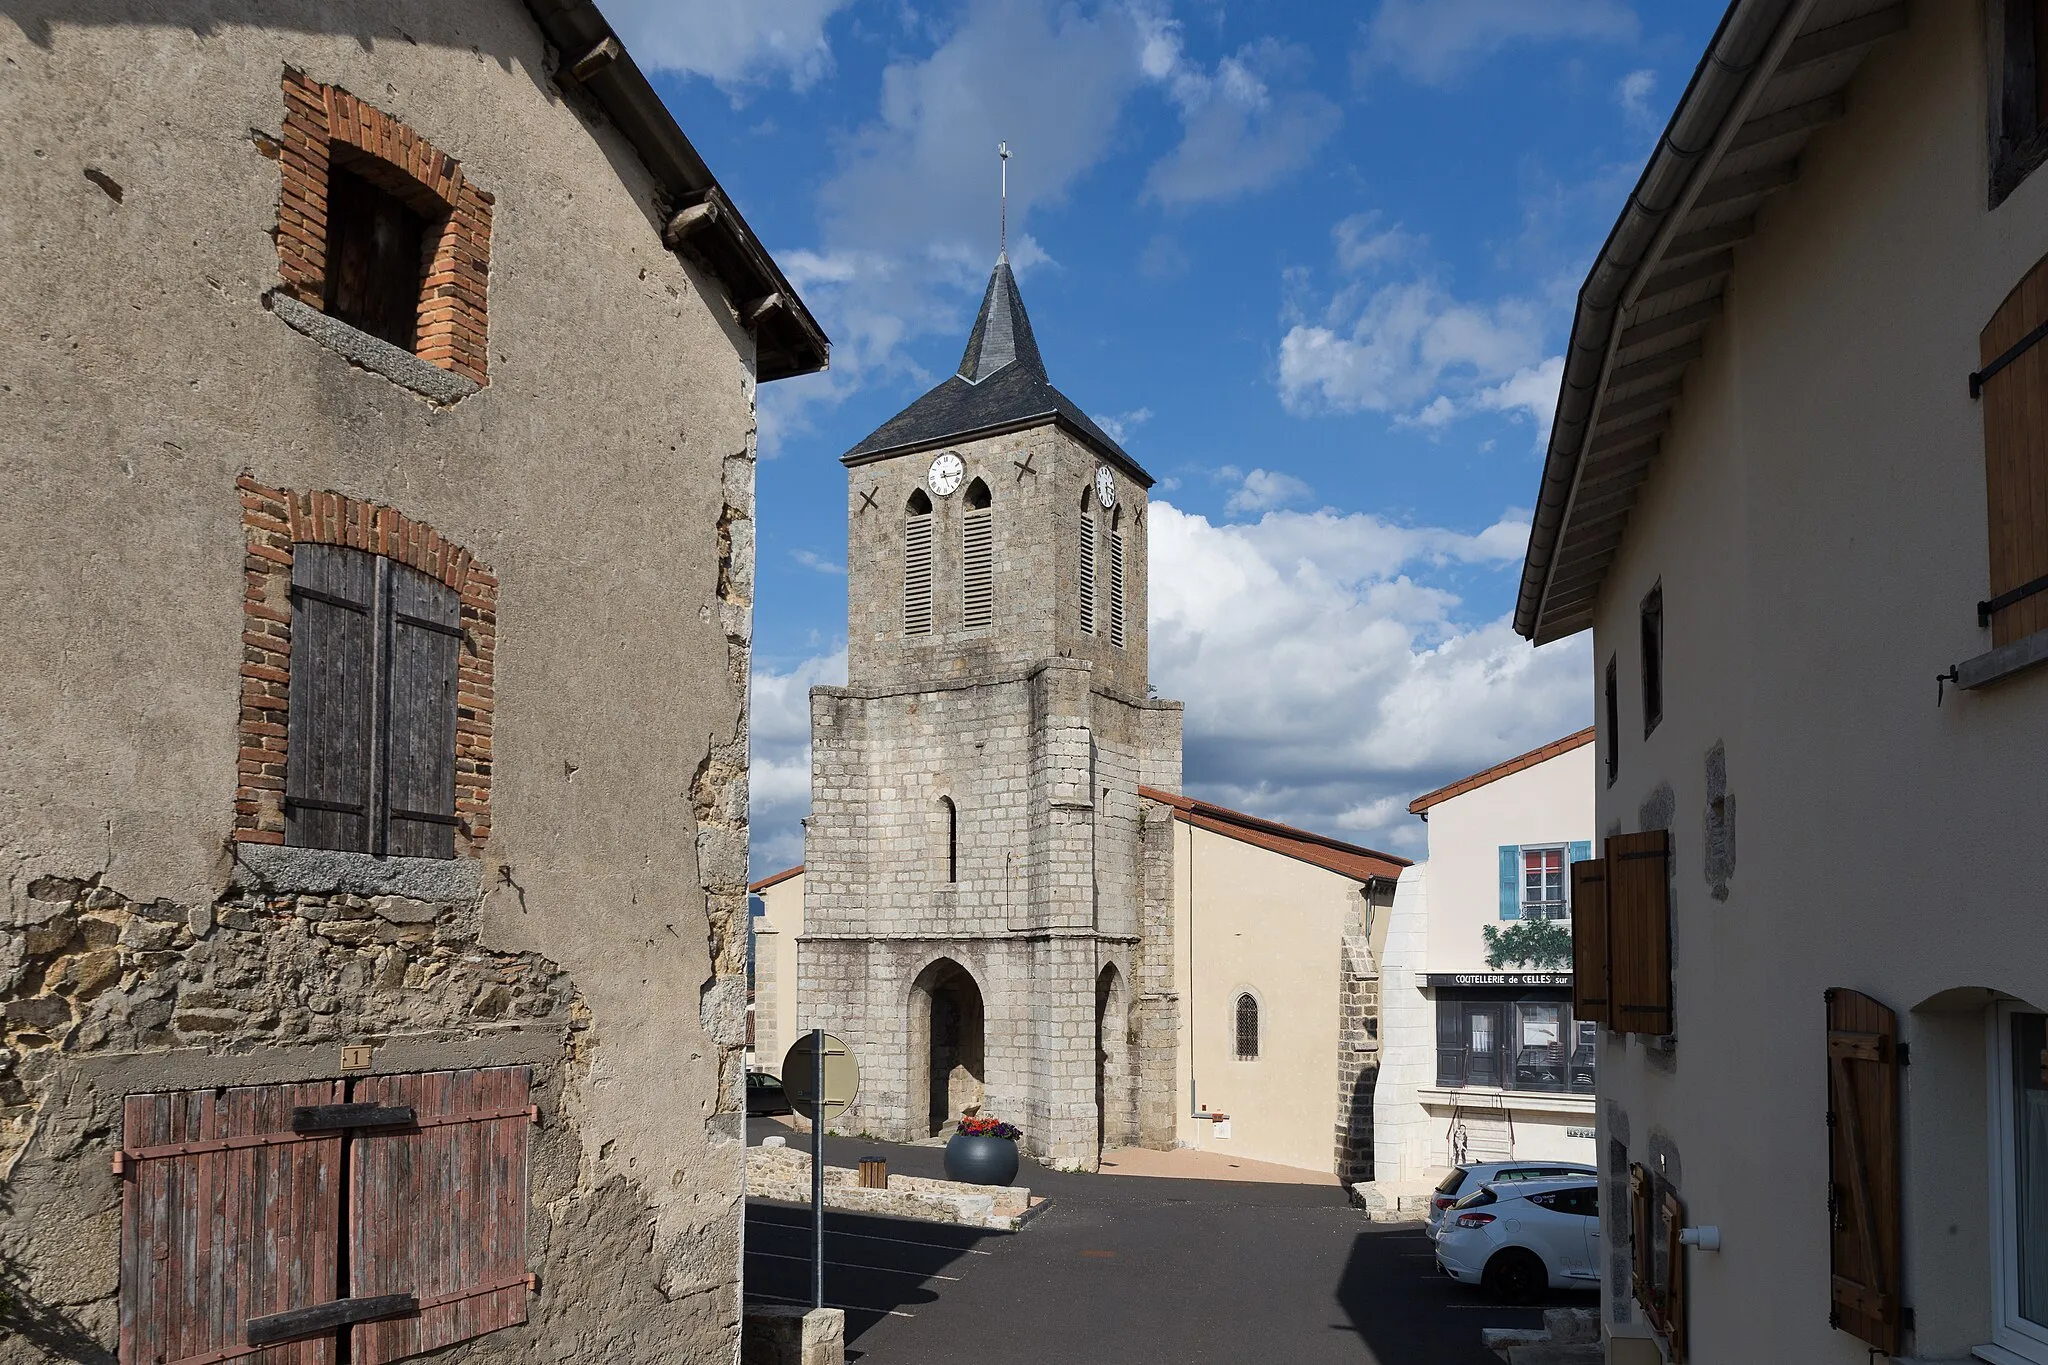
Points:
[(917, 565), (977, 559), (1088, 560), (1247, 1028), (1116, 578), (952, 814)]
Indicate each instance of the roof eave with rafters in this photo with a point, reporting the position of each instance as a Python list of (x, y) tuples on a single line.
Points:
[(1108, 450), (1506, 768), (1774, 73)]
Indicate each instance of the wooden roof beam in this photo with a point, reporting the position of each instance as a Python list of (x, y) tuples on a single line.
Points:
[(1748, 184), (1821, 44), (1650, 367), (1658, 397), (1707, 239), (1678, 319), (1692, 272), (1799, 118)]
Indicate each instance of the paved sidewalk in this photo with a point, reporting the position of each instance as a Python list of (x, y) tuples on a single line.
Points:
[(1189, 1163)]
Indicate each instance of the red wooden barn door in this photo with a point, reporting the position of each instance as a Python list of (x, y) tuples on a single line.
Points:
[(227, 1215), (438, 1210)]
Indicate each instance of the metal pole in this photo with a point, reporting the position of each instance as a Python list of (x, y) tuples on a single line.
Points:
[(817, 1168)]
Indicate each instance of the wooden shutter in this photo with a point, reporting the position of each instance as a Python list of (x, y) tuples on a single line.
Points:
[(226, 1215), (439, 1210), (1672, 1306), (1087, 573), (1642, 1245), (426, 649), (1864, 1193), (917, 574), (1639, 931), (2016, 456), (329, 780), (1116, 588), (978, 600), (1589, 941), (1510, 881)]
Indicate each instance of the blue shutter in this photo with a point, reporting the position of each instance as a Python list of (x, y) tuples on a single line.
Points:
[(1510, 881), (1581, 851)]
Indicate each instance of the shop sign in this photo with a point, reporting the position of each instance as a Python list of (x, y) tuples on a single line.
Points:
[(1434, 979)]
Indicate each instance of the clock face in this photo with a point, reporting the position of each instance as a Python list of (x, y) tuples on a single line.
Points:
[(946, 473), (1105, 486)]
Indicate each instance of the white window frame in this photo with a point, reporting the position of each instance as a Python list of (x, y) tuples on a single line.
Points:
[(1564, 880), (2009, 1331)]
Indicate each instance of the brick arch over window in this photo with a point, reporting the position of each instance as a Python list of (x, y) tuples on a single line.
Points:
[(273, 522), (325, 125)]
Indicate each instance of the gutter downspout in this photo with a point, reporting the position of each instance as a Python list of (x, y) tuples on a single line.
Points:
[(1739, 46)]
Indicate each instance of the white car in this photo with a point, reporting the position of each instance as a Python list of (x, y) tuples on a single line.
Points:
[(1466, 1179), (1522, 1239)]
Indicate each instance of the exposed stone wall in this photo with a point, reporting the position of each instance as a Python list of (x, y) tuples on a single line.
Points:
[(1358, 1046)]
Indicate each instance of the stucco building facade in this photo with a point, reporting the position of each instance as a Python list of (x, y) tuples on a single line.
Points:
[(1793, 491), (378, 544), (1483, 1059)]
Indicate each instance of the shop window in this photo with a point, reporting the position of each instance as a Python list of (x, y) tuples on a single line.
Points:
[(1527, 1043)]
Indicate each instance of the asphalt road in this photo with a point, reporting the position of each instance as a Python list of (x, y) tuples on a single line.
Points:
[(1132, 1271)]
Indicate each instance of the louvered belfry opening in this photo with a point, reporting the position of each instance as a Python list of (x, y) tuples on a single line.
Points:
[(917, 565), (370, 762), (1116, 578), (1087, 561), (384, 1218), (977, 559)]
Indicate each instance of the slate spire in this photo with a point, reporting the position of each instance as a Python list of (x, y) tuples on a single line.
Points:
[(1001, 385)]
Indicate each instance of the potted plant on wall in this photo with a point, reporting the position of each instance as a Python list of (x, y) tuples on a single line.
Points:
[(983, 1152)]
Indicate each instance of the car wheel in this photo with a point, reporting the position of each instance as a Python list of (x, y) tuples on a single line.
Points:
[(1516, 1276)]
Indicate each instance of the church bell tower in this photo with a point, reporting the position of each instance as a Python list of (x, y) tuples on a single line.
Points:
[(988, 911)]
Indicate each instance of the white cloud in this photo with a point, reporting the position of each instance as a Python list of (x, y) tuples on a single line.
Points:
[(1632, 92), (1263, 490), (732, 44), (1434, 41), (1531, 391), (1362, 244), (779, 747), (1121, 425), (1327, 678), (811, 559), (1238, 132), (1391, 349)]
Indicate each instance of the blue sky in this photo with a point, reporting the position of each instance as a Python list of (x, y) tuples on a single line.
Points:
[(1313, 263)]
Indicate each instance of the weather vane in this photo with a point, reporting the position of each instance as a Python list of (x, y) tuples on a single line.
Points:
[(1003, 241)]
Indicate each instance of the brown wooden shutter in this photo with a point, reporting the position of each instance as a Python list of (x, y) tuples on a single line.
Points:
[(426, 649), (2016, 456), (226, 1215), (1864, 1193), (329, 780), (1639, 931), (439, 1210), (1589, 941), (1673, 1302), (1642, 1246)]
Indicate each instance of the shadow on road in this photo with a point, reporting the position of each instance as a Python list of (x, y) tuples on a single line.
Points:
[(1404, 1309), (875, 1268)]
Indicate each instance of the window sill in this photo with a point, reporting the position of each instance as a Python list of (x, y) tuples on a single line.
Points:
[(337, 872), (2001, 663), (1999, 1355), (375, 354)]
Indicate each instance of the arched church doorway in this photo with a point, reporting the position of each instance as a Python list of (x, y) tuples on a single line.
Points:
[(948, 1020), (1113, 1118)]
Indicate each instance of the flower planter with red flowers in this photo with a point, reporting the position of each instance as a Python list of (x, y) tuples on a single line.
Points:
[(983, 1152)]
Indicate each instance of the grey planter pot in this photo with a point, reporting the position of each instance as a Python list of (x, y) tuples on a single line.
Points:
[(981, 1160)]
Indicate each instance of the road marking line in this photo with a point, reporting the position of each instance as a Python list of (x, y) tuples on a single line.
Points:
[(855, 1265), (843, 1307)]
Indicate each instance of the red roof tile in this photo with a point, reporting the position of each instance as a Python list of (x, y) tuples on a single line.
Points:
[(1334, 855), (777, 877), (1500, 770)]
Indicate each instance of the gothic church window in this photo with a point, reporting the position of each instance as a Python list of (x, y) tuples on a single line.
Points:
[(1247, 1028), (1088, 561), (917, 565), (1116, 578), (376, 646), (977, 559)]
